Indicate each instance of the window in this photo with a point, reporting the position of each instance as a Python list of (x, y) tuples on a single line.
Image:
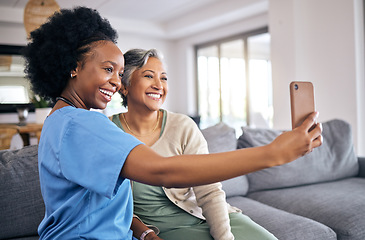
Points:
[(13, 94), (234, 81)]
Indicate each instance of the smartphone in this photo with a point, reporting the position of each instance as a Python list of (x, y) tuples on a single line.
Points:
[(301, 102)]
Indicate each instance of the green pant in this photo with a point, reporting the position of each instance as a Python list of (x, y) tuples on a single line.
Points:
[(242, 227)]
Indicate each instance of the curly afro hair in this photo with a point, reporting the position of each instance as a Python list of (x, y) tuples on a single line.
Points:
[(59, 45)]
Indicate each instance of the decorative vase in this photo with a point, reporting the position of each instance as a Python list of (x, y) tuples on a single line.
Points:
[(22, 115), (41, 114)]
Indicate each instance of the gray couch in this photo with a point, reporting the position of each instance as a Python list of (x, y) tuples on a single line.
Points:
[(318, 196), (321, 196)]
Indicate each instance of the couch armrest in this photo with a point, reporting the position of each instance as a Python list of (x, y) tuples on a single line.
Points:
[(362, 166)]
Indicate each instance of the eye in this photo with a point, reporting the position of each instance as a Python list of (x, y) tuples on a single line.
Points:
[(109, 69), (164, 78), (120, 75), (148, 76)]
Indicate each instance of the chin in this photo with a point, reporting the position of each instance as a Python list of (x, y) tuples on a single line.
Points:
[(100, 106), (155, 108)]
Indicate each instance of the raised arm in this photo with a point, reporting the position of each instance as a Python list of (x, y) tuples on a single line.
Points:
[(146, 166)]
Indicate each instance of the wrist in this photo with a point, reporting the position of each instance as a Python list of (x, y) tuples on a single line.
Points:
[(145, 233), (273, 155)]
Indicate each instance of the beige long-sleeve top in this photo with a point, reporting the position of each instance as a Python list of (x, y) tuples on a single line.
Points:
[(182, 136)]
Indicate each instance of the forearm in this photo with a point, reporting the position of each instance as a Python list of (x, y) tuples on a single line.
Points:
[(139, 227), (212, 199), (145, 166)]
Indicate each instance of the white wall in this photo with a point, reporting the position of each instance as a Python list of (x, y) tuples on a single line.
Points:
[(320, 41), (14, 35)]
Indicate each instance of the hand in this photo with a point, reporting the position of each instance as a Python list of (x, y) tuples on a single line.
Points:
[(300, 141), (152, 236)]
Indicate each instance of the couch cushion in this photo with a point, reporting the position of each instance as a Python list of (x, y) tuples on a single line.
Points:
[(222, 138), (237, 186), (334, 160), (284, 225), (21, 203), (338, 204)]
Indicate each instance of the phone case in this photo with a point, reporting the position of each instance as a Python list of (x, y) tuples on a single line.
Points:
[(301, 102)]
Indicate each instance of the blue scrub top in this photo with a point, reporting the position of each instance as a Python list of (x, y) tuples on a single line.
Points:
[(80, 156)]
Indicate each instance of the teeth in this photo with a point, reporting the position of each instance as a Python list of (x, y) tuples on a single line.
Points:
[(106, 92), (154, 95)]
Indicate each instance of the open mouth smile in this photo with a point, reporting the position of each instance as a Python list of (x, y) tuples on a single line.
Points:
[(107, 94), (155, 96)]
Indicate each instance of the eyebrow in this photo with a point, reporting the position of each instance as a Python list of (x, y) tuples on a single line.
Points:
[(112, 63), (153, 71)]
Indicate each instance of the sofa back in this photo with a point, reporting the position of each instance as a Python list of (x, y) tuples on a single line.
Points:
[(222, 138), (21, 203), (334, 160)]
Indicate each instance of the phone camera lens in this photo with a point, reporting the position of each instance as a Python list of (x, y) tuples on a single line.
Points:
[(296, 86)]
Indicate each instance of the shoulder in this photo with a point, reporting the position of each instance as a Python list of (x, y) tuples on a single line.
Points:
[(181, 120), (115, 118), (95, 129), (75, 121), (70, 117), (78, 114), (183, 127)]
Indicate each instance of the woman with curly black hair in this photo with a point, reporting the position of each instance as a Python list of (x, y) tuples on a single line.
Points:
[(85, 160)]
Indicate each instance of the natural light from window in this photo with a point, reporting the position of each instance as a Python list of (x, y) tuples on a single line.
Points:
[(224, 94), (13, 94)]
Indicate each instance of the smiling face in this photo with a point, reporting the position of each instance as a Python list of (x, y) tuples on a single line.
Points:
[(148, 86), (99, 77)]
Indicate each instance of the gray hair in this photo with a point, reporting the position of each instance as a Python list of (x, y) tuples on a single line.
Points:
[(135, 59)]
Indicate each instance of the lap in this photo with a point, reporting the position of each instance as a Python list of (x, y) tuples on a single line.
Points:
[(242, 227)]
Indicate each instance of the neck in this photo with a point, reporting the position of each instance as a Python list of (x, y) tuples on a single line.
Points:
[(65, 100), (70, 94), (142, 124)]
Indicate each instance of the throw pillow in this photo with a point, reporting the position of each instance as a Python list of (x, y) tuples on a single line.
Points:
[(334, 160)]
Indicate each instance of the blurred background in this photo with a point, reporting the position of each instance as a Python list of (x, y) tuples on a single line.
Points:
[(229, 61)]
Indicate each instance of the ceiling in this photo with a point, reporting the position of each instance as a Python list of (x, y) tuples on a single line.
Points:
[(167, 19)]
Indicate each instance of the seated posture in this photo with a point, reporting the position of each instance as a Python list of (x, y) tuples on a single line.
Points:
[(85, 161), (199, 212)]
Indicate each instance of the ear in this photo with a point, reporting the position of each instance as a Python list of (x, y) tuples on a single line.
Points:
[(73, 73)]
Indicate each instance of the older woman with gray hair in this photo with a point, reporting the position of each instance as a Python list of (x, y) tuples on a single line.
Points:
[(200, 212)]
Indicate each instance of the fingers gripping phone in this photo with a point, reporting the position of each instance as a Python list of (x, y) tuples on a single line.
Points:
[(301, 102)]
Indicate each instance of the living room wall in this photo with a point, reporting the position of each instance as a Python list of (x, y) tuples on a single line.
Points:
[(322, 42)]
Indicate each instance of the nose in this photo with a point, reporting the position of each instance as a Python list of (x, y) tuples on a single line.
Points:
[(157, 84)]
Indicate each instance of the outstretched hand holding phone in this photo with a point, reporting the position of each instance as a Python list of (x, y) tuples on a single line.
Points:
[(301, 101), (307, 136)]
